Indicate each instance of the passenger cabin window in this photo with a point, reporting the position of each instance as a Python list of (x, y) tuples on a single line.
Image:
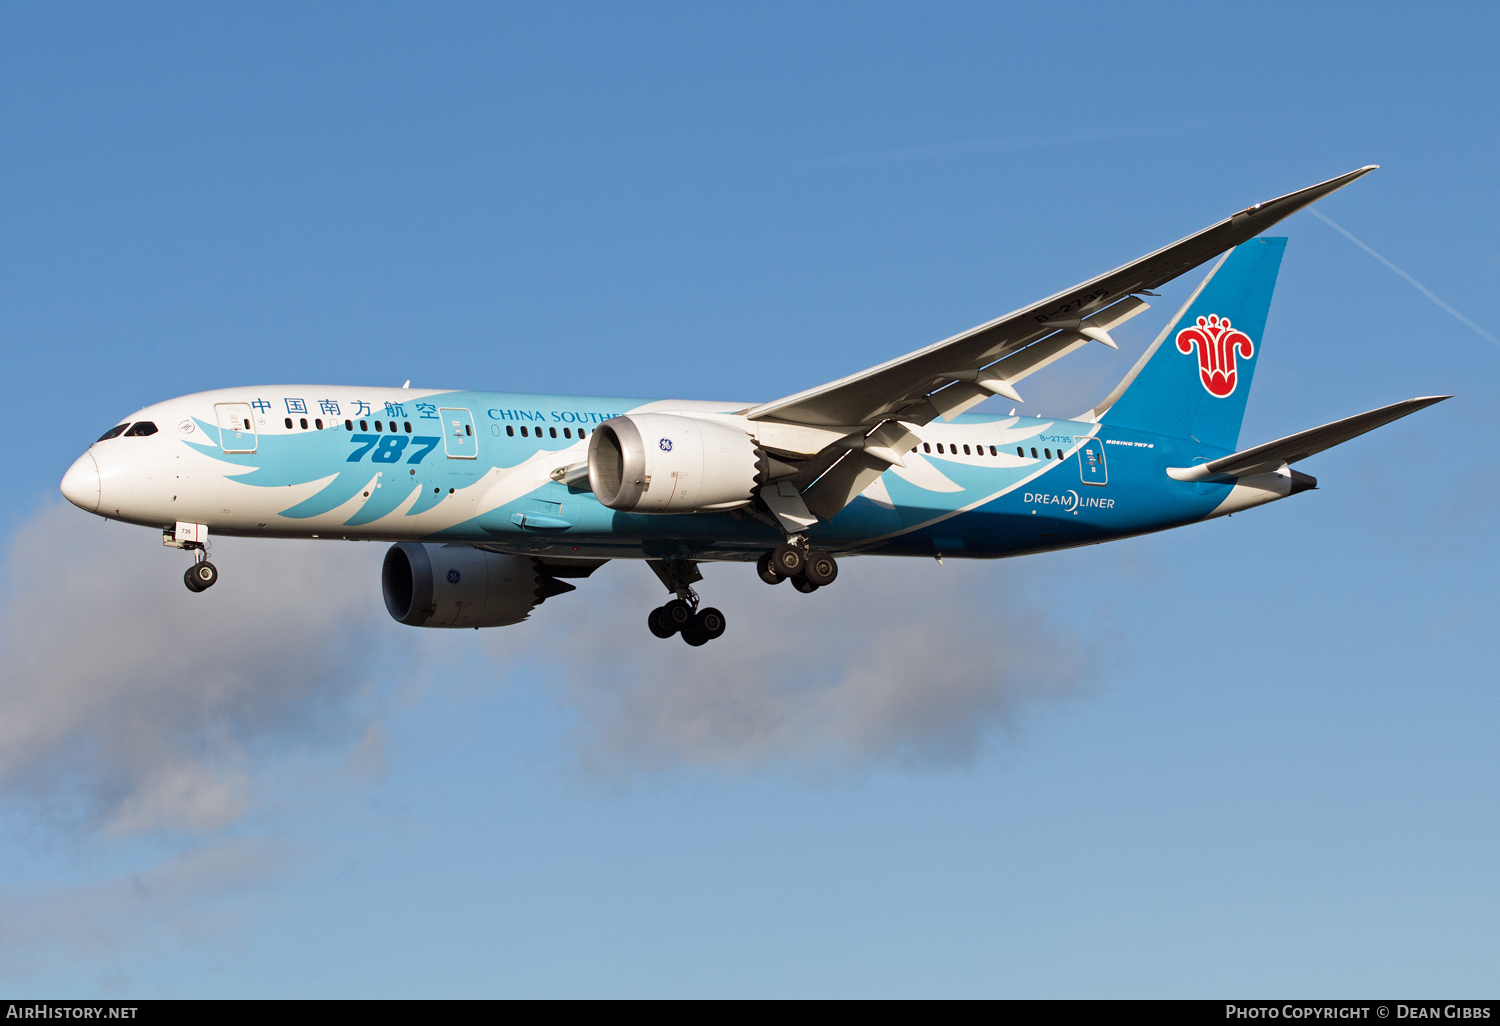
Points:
[(580, 433), (523, 432), (553, 431), (1033, 452), (1048, 453), (289, 422), (407, 425), (469, 429), (303, 422), (940, 448), (1020, 452), (966, 450), (364, 425), (114, 432), (319, 423), (567, 432), (510, 430), (926, 447), (993, 452), (348, 425)]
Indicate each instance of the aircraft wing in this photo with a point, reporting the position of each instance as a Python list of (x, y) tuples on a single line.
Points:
[(1285, 451), (949, 376)]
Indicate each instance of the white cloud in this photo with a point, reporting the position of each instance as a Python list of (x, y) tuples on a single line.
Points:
[(899, 660), (130, 706), (148, 701), (162, 708)]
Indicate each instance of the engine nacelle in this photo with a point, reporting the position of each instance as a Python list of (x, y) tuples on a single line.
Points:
[(667, 463), (427, 585)]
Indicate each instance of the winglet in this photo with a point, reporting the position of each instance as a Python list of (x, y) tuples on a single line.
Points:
[(1285, 206)]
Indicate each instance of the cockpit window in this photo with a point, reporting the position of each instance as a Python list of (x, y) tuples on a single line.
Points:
[(114, 432), (144, 427)]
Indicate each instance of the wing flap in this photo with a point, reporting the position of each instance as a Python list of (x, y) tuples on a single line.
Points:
[(907, 381), (972, 387)]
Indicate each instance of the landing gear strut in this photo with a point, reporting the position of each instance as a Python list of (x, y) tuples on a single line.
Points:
[(808, 571), (682, 615)]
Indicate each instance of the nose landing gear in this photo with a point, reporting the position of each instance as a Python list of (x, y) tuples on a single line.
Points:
[(808, 571), (202, 575), (682, 615)]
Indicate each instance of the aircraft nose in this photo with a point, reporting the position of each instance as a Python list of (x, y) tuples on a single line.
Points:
[(80, 485)]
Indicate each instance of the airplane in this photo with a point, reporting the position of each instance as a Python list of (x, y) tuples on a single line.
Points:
[(495, 501)]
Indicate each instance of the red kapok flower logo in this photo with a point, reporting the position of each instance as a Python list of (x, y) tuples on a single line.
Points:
[(1216, 342)]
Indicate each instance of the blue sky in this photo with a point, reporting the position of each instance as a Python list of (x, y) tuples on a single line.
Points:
[(1252, 757)]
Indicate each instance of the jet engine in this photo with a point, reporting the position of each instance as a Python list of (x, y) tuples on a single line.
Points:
[(668, 463), (427, 585)]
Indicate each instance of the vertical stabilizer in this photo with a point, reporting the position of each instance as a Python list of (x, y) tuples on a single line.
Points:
[(1195, 378)]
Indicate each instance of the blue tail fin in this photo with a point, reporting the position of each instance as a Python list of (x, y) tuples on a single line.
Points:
[(1195, 378)]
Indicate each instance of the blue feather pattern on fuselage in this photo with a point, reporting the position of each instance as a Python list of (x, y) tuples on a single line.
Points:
[(977, 507)]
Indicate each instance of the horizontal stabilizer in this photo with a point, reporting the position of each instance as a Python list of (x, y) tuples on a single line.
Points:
[(1285, 451)]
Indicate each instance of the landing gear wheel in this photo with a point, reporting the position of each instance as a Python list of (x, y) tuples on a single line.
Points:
[(659, 624), (201, 576), (787, 560), (821, 568), (695, 638), (763, 567), (803, 585), (677, 614), (709, 622)]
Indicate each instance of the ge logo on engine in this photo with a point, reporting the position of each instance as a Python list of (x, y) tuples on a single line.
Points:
[(666, 445), (453, 576)]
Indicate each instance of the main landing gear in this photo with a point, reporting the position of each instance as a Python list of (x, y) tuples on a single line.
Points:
[(808, 571), (679, 617), (682, 615)]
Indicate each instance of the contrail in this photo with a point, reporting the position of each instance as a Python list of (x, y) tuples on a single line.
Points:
[(1420, 287)]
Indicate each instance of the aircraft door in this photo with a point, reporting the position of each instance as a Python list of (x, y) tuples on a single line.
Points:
[(236, 427), (459, 440), (1091, 466)]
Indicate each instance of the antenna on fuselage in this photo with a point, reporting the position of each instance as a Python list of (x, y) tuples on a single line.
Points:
[(408, 383)]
